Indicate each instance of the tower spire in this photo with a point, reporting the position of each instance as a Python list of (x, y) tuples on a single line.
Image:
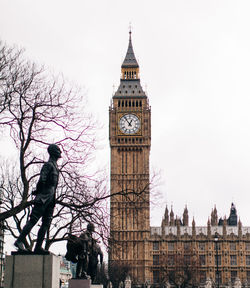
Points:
[(130, 60)]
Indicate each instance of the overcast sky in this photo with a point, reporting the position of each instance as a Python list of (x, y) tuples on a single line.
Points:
[(194, 59)]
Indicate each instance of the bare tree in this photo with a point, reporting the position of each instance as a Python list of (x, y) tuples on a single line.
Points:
[(118, 272), (36, 110), (180, 270)]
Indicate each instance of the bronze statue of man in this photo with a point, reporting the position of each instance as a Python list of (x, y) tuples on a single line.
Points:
[(44, 201), (83, 257)]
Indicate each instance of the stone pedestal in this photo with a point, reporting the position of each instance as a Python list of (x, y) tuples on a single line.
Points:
[(32, 271), (79, 283), (96, 286)]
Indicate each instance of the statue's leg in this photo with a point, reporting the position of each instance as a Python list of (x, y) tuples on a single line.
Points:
[(85, 267), (78, 268), (34, 217), (46, 220)]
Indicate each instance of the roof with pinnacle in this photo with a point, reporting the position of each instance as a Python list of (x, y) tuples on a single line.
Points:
[(130, 60)]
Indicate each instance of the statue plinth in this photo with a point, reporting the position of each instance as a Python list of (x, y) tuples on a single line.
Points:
[(32, 271), (79, 283)]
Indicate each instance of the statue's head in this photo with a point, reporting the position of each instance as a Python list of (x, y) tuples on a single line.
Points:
[(91, 227), (54, 151)]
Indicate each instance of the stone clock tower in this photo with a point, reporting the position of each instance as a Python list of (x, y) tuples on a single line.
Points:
[(130, 137)]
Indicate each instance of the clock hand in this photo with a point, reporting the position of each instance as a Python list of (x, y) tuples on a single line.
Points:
[(129, 124)]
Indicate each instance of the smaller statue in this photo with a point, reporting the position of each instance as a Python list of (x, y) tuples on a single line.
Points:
[(84, 251)]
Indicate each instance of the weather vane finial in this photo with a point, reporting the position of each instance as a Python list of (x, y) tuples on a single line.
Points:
[(130, 29)]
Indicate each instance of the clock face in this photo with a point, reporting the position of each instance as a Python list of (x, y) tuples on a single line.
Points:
[(129, 124)]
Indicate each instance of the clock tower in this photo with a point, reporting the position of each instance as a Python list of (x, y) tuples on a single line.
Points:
[(130, 139)]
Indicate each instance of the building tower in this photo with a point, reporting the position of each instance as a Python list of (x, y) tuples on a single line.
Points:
[(130, 137)]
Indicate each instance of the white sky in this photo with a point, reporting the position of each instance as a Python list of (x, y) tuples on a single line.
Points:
[(194, 59)]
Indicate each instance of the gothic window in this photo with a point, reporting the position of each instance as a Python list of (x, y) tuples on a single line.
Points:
[(233, 276), (218, 246), (119, 103), (201, 246), (155, 245), (248, 276), (233, 260), (232, 246), (170, 260), (247, 259), (202, 260), (219, 259), (129, 103), (136, 103), (156, 276), (186, 259), (140, 103), (170, 246), (218, 275), (186, 246), (202, 276), (156, 260)]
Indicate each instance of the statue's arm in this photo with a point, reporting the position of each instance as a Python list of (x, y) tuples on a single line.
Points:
[(43, 176)]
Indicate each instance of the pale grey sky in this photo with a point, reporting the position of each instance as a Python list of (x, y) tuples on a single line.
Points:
[(194, 58)]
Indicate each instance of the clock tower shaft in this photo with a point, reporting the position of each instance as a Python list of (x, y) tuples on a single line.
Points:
[(130, 140)]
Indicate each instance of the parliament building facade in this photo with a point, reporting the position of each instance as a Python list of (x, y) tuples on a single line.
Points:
[(175, 253)]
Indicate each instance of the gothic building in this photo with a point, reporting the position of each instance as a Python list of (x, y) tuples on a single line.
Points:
[(218, 252)]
